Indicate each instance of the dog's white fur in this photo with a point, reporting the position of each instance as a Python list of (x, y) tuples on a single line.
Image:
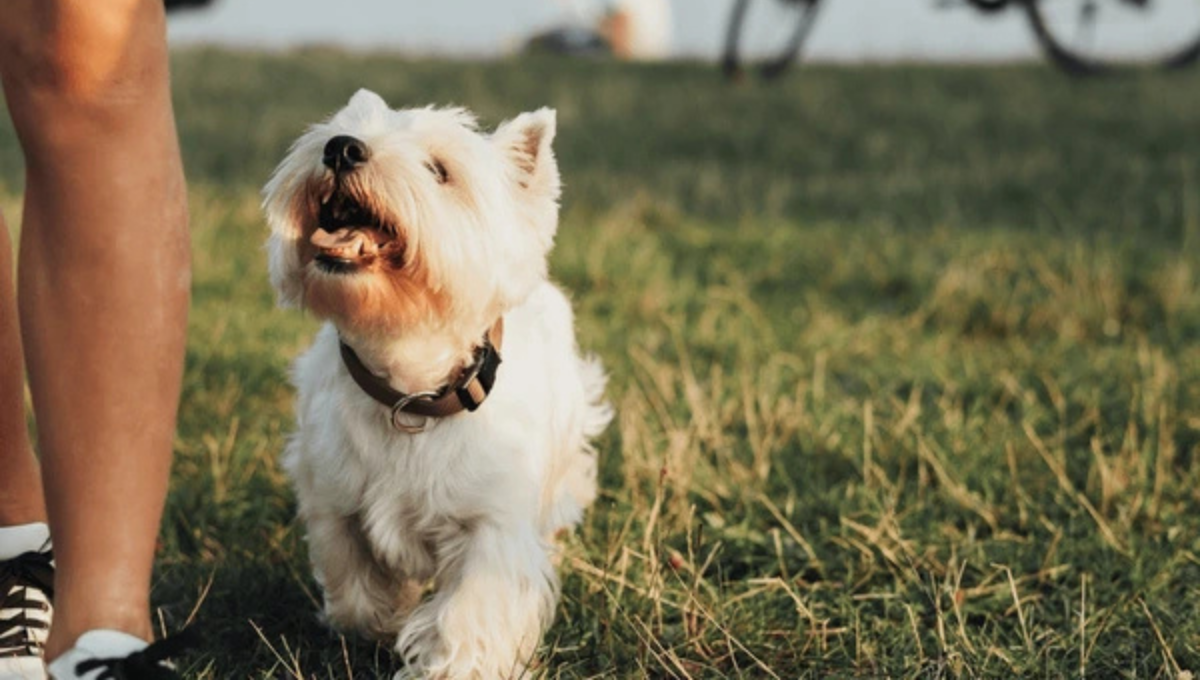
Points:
[(472, 503)]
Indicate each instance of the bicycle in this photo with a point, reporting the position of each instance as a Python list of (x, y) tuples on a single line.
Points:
[(1083, 37)]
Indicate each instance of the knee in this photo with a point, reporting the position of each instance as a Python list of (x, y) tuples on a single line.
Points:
[(87, 54)]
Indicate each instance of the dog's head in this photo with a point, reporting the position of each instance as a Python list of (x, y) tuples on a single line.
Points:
[(388, 219)]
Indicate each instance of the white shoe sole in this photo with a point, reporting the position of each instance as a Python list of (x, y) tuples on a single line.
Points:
[(22, 668)]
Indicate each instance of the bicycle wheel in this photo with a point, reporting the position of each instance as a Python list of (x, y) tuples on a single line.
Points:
[(766, 35), (1097, 36)]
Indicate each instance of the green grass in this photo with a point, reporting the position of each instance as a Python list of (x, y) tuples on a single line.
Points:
[(905, 360)]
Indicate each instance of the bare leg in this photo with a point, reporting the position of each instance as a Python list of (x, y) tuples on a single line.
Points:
[(103, 289), (21, 486)]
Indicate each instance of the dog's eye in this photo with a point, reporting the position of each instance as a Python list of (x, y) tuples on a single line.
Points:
[(438, 169)]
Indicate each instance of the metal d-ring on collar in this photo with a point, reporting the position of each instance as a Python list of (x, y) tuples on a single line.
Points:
[(399, 406), (466, 393)]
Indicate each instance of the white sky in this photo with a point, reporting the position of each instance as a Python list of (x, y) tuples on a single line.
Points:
[(872, 30)]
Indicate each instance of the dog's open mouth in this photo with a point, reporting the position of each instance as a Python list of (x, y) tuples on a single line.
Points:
[(349, 237)]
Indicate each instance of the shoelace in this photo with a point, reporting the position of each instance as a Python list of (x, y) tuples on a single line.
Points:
[(31, 570), (146, 664)]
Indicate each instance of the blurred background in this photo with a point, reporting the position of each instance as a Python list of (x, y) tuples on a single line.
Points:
[(1074, 33), (850, 30)]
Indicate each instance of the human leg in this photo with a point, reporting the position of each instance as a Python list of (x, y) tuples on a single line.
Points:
[(103, 290), (25, 571), (21, 484)]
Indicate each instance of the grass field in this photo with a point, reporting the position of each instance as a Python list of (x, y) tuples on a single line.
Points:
[(905, 361)]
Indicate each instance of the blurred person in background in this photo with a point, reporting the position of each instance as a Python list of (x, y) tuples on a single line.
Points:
[(639, 29), (626, 29)]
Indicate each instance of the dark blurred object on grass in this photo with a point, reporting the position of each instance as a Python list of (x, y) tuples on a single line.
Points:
[(174, 5), (570, 40)]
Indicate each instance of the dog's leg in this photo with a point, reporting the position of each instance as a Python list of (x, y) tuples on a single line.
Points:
[(496, 593), (360, 594)]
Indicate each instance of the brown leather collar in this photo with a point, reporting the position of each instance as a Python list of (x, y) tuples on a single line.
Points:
[(466, 393)]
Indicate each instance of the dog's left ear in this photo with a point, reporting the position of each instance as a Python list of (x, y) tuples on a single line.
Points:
[(526, 142)]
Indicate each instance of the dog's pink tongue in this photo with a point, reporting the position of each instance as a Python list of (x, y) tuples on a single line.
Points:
[(348, 242)]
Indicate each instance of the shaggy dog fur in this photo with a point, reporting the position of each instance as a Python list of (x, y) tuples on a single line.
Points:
[(410, 256)]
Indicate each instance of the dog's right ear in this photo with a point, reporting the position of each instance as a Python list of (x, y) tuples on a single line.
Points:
[(366, 98), (283, 216), (284, 267), (283, 262), (526, 142)]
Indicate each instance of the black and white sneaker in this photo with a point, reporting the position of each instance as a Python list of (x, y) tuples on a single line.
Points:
[(113, 655), (26, 589)]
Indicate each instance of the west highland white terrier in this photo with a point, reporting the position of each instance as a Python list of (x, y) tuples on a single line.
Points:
[(421, 457)]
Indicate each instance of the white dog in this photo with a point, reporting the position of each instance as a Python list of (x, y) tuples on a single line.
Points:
[(420, 457)]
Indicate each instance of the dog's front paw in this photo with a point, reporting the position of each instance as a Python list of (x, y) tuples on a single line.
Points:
[(409, 673), (485, 624), (479, 654), (421, 646), (378, 613)]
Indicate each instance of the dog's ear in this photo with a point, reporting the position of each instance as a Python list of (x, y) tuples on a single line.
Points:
[(283, 252), (367, 99), (526, 143), (284, 209)]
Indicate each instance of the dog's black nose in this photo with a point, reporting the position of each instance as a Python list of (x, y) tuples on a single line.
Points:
[(343, 153)]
